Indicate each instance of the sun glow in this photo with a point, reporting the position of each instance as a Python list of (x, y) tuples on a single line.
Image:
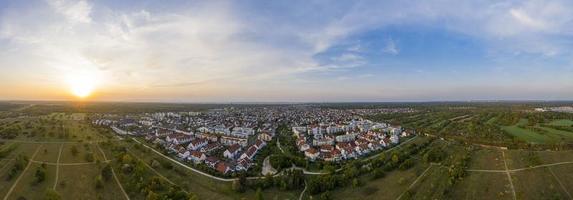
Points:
[(81, 85)]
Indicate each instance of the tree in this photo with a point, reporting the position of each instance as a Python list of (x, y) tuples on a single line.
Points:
[(40, 175), (106, 172), (395, 158), (74, 151), (378, 173), (259, 194), (89, 157), (355, 182), (98, 182), (52, 195)]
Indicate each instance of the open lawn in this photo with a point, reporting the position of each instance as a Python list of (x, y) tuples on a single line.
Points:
[(389, 187), (562, 122), (564, 174), (527, 135), (537, 184), (29, 188), (49, 153), (480, 185), (432, 186), (76, 173), (489, 159), (548, 157), (82, 178), (565, 136)]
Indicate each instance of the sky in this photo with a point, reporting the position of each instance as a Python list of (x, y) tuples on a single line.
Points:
[(286, 51)]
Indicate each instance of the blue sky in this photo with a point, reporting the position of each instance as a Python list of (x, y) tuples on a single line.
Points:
[(223, 51)]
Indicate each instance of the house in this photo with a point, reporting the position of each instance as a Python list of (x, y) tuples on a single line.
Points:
[(348, 152), (259, 144), (250, 153), (311, 153), (265, 136), (406, 133), (223, 168), (211, 161), (232, 151), (178, 138), (336, 154), (362, 149), (183, 153), (163, 132), (385, 142), (395, 139), (228, 140), (346, 138), (207, 136), (196, 156), (197, 144), (326, 148), (211, 147), (243, 164)]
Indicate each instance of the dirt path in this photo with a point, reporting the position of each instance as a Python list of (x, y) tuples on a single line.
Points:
[(415, 181), (561, 184), (113, 173), (303, 191), (508, 176), (58, 166)]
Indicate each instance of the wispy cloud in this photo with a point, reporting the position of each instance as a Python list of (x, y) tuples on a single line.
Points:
[(228, 45), (391, 47)]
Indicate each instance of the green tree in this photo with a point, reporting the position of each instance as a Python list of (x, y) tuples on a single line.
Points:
[(98, 182), (40, 174), (74, 150), (106, 172), (259, 194)]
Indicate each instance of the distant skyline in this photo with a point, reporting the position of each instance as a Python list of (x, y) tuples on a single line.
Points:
[(286, 51)]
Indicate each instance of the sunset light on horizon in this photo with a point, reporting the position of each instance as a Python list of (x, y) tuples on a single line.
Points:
[(259, 51)]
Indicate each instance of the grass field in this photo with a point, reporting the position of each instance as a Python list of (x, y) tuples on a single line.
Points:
[(526, 134), (489, 159), (389, 187), (479, 185), (74, 174), (537, 184), (562, 122)]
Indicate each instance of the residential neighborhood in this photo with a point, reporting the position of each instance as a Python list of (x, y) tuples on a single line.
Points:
[(228, 140)]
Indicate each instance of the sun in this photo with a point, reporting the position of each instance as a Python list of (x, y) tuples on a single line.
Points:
[(81, 85), (82, 90)]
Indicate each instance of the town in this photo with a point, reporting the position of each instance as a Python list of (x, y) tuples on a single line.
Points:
[(227, 140)]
